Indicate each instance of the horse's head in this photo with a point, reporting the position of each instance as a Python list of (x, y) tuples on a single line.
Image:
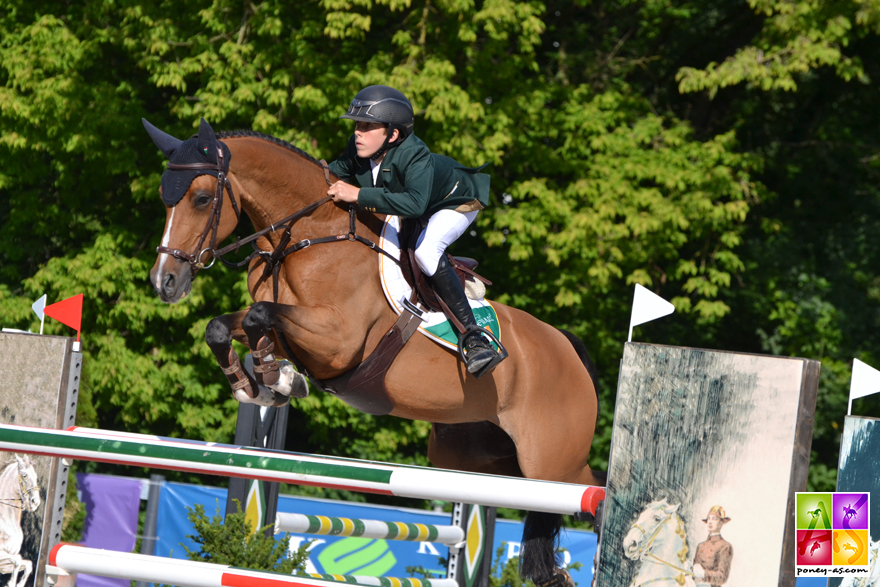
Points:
[(192, 191), (28, 484), (647, 529)]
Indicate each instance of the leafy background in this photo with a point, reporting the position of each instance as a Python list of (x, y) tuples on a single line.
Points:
[(722, 154)]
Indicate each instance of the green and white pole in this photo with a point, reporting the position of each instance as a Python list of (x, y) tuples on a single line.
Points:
[(301, 469)]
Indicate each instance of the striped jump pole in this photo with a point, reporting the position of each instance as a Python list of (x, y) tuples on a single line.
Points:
[(70, 559), (301, 469), (327, 525)]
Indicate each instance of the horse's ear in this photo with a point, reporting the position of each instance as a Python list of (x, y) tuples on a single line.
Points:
[(207, 141), (166, 143)]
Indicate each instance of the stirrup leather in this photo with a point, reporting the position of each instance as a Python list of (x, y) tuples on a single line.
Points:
[(500, 351)]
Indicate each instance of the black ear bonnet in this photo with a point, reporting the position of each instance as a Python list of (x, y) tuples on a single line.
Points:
[(201, 148)]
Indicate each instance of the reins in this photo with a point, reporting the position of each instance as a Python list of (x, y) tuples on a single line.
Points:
[(272, 259), (644, 551)]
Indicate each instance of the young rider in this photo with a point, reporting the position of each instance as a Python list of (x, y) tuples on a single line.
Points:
[(397, 174)]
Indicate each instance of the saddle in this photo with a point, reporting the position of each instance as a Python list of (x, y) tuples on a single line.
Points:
[(464, 267), (363, 387)]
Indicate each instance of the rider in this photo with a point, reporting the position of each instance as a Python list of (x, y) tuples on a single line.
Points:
[(713, 557), (398, 175)]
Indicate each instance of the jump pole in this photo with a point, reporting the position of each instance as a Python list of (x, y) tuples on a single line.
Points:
[(70, 559), (301, 469), (331, 526)]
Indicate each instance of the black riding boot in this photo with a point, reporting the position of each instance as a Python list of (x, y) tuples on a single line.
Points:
[(478, 351)]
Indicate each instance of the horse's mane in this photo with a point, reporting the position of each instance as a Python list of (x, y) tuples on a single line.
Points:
[(233, 134)]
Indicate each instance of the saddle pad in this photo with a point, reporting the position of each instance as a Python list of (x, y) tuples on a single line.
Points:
[(436, 326)]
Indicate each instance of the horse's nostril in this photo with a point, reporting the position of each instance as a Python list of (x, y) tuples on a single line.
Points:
[(168, 283)]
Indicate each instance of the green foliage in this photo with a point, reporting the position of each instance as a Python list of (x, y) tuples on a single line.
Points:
[(235, 543), (721, 154), (74, 518)]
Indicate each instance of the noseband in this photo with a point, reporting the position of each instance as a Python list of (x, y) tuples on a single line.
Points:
[(195, 259)]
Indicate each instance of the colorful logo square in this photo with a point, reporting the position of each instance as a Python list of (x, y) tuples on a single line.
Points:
[(814, 511), (850, 547), (850, 511), (814, 548)]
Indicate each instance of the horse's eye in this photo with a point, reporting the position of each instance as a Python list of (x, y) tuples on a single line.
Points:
[(656, 518), (201, 200)]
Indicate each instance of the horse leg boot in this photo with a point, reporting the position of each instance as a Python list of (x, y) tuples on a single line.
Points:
[(478, 351), (218, 336)]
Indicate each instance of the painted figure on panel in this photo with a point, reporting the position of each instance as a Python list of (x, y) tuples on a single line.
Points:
[(19, 492), (713, 557)]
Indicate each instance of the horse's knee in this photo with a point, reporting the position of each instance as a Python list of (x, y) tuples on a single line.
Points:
[(217, 334), (258, 317)]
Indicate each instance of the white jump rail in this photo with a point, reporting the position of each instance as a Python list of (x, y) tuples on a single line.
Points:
[(301, 469), (70, 559), (332, 526)]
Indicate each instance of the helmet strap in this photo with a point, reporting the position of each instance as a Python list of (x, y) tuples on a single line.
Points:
[(386, 145)]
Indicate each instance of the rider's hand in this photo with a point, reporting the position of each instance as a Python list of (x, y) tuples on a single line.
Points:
[(343, 192), (699, 572)]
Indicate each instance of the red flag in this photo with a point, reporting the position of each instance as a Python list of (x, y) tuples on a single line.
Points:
[(68, 312)]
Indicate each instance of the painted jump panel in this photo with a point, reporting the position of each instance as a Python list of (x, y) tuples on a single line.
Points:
[(708, 449), (69, 559), (301, 469), (331, 526)]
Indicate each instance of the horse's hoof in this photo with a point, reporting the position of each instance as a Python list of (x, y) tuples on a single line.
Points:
[(290, 382), (265, 366), (265, 397)]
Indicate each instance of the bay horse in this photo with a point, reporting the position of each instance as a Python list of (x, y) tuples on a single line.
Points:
[(324, 309)]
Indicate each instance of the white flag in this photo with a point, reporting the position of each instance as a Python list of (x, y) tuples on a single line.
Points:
[(865, 381), (38, 308), (647, 306)]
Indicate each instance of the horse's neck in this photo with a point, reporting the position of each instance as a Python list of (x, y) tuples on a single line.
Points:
[(10, 494)]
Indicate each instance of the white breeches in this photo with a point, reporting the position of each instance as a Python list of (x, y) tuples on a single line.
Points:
[(444, 227)]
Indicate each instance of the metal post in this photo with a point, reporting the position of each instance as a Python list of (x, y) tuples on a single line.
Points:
[(148, 538)]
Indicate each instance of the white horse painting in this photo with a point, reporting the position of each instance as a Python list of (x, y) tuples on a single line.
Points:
[(19, 492), (659, 540)]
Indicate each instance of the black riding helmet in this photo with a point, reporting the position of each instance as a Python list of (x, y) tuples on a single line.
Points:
[(383, 104)]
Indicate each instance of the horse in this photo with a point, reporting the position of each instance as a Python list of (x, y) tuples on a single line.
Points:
[(659, 540), (322, 307), (19, 492)]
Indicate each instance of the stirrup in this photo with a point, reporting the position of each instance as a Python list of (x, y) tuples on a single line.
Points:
[(500, 352)]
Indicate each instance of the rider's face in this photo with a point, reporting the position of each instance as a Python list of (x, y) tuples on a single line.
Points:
[(714, 524), (369, 137)]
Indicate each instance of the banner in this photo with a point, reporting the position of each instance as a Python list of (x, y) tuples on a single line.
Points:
[(354, 556)]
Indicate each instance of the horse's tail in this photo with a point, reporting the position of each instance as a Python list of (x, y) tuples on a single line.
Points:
[(584, 356), (539, 559)]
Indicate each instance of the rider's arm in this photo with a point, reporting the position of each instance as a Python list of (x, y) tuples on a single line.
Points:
[(346, 165), (417, 171)]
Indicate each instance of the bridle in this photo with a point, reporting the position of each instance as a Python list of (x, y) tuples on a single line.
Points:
[(651, 557), (273, 258), (24, 492), (195, 259)]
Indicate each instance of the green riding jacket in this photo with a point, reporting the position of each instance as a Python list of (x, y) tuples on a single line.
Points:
[(413, 182)]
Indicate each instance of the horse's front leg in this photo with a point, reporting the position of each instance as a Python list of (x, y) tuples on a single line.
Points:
[(28, 566), (259, 324), (219, 334)]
